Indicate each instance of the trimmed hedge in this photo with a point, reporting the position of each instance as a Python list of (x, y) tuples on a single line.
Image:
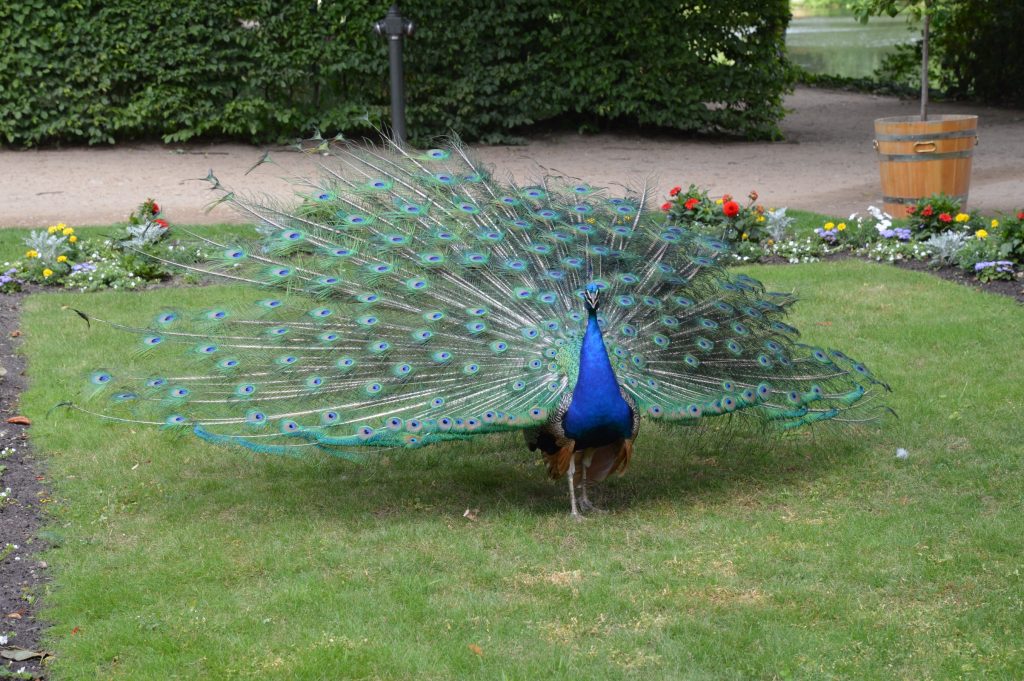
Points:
[(104, 71)]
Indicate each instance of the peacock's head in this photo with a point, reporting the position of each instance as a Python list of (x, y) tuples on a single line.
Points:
[(591, 297)]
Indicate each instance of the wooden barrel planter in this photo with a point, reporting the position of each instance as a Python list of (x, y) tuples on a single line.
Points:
[(919, 158)]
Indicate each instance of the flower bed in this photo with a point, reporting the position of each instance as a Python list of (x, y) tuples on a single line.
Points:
[(935, 232), (57, 256)]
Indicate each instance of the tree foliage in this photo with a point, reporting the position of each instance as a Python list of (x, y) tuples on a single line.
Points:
[(101, 71)]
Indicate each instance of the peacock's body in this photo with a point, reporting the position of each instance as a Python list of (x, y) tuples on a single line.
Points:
[(410, 299)]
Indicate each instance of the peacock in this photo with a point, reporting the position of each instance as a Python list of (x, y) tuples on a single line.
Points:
[(407, 298)]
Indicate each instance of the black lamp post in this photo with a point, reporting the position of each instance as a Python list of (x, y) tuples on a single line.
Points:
[(395, 27)]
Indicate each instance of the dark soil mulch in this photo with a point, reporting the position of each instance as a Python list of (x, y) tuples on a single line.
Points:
[(1014, 289), (22, 573)]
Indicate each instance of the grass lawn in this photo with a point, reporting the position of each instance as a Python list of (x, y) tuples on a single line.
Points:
[(813, 556)]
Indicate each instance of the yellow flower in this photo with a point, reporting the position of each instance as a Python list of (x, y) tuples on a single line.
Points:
[(72, 239), (62, 258), (829, 225), (841, 226), (719, 202), (962, 217), (771, 242), (981, 234), (32, 253), (52, 228), (68, 231), (47, 272), (761, 218), (744, 236), (995, 223)]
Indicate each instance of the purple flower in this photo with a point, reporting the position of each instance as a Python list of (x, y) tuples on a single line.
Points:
[(828, 235), (83, 267), (1000, 265), (901, 233)]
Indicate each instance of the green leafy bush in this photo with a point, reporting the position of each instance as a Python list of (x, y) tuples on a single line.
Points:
[(259, 70)]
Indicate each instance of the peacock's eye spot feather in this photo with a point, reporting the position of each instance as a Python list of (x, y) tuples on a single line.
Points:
[(152, 341), (102, 378), (175, 420)]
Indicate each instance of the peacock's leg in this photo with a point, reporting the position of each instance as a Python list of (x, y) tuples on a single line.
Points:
[(575, 512), (585, 504)]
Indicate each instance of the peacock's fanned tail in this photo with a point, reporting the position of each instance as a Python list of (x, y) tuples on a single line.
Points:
[(409, 298)]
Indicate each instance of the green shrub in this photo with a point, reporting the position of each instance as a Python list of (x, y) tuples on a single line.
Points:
[(259, 70)]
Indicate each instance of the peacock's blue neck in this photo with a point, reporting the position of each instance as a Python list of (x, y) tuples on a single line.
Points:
[(597, 414)]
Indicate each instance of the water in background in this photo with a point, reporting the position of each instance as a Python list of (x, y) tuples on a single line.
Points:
[(833, 42)]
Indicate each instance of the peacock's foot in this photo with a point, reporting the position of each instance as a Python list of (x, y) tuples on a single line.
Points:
[(587, 506), (577, 516)]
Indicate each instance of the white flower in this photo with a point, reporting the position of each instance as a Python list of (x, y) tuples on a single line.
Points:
[(902, 454), (3, 640)]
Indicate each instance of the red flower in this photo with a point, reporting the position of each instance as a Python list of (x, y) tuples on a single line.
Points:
[(945, 217), (667, 206), (726, 198), (731, 209), (156, 209), (691, 203), (1020, 215), (927, 212), (675, 191), (161, 222), (911, 210)]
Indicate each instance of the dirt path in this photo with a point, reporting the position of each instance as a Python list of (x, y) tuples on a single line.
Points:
[(825, 164)]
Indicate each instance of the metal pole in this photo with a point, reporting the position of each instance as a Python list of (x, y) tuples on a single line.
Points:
[(395, 28)]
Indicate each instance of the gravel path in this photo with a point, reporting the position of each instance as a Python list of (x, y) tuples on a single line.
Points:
[(825, 164)]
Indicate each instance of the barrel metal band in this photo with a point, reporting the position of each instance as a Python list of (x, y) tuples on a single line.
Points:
[(924, 137), (962, 198), (909, 158)]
